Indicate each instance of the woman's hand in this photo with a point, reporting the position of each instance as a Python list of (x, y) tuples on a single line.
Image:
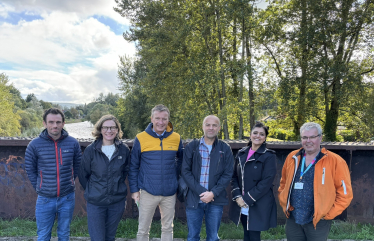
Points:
[(241, 202)]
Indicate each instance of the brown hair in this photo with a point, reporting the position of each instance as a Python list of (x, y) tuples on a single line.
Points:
[(53, 111), (97, 129)]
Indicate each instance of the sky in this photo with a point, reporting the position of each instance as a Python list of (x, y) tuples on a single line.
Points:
[(62, 50)]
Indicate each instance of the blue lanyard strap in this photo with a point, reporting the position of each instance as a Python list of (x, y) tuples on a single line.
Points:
[(303, 164)]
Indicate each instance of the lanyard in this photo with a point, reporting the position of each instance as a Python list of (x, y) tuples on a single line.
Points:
[(303, 164)]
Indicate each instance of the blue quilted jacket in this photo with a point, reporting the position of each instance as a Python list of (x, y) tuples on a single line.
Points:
[(53, 165), (155, 162)]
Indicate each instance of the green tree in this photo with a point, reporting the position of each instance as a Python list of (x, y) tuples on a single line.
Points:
[(98, 111), (320, 51), (45, 105), (29, 97), (9, 121)]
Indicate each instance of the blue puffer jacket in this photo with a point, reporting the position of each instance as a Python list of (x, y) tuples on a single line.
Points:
[(53, 165), (155, 162)]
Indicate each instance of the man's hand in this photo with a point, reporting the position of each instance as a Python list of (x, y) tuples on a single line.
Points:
[(136, 196), (207, 197), (240, 202)]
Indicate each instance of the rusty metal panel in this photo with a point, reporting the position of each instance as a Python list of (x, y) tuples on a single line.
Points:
[(18, 197)]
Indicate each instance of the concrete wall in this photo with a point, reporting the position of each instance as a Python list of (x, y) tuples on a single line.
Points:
[(18, 197)]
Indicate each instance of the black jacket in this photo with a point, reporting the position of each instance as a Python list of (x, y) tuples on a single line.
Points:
[(220, 172), (103, 181), (256, 178)]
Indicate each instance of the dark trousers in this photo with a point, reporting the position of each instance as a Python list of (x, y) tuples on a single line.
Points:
[(248, 234), (103, 220), (306, 232)]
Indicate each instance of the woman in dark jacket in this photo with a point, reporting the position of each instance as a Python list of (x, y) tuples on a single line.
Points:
[(104, 167), (253, 201)]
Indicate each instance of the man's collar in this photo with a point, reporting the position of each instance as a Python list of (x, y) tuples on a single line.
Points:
[(202, 141), (159, 134)]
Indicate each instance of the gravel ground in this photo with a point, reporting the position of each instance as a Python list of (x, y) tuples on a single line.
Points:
[(80, 130)]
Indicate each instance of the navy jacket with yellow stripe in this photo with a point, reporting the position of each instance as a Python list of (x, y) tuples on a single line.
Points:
[(155, 162)]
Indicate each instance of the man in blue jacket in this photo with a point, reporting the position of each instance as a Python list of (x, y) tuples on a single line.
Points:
[(52, 161), (155, 163), (207, 169)]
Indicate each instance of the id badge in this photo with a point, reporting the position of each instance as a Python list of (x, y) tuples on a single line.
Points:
[(299, 185)]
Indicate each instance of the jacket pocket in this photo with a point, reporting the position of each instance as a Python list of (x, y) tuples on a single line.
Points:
[(72, 177), (41, 180)]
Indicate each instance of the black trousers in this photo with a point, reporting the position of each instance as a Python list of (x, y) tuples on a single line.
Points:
[(306, 232), (248, 234)]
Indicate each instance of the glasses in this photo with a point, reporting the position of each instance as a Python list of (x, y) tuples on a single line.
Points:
[(112, 128), (312, 138)]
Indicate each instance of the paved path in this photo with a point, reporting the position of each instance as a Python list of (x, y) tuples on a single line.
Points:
[(80, 129)]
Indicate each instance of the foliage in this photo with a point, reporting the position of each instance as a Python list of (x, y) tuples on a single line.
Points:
[(298, 60), (98, 111), (9, 125), (321, 53)]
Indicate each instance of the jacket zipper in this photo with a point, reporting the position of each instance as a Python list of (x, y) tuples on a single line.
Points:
[(58, 170), (162, 159), (323, 176), (41, 179), (293, 179)]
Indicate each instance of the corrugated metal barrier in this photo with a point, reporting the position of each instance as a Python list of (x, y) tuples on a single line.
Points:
[(18, 197)]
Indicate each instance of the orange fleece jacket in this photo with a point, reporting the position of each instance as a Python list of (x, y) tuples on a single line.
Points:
[(332, 185)]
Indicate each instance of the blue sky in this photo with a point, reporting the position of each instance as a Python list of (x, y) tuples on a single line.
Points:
[(65, 51)]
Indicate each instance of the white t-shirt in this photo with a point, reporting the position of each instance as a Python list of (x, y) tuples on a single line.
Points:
[(108, 150)]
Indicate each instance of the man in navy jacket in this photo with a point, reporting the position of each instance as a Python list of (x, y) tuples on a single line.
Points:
[(52, 161), (207, 169), (156, 158)]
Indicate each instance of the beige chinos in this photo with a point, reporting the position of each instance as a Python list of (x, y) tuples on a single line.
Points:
[(147, 207)]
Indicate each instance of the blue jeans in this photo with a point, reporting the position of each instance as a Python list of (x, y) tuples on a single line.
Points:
[(103, 220), (213, 215), (45, 212)]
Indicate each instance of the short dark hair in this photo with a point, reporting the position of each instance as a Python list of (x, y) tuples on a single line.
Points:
[(54, 111), (260, 125)]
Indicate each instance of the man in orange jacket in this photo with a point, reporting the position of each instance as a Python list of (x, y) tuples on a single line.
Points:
[(315, 187)]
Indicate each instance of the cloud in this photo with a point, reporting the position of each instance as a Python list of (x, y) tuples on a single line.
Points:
[(83, 8), (63, 54)]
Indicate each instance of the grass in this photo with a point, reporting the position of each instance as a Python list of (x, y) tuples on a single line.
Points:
[(128, 228)]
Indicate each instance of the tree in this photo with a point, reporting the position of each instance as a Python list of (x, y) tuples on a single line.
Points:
[(98, 111), (45, 105), (9, 125), (29, 97), (318, 46)]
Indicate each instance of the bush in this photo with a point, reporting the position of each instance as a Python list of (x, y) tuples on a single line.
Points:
[(348, 135), (282, 134), (31, 132)]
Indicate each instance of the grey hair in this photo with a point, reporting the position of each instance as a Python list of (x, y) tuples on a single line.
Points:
[(160, 108), (309, 125), (219, 122)]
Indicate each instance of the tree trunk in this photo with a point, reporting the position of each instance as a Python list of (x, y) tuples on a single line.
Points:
[(222, 76), (250, 83)]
